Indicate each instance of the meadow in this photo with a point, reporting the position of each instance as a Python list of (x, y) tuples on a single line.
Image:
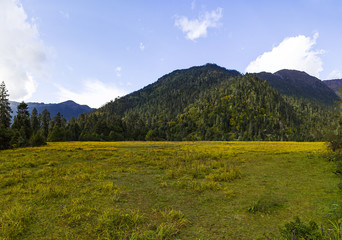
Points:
[(163, 190)]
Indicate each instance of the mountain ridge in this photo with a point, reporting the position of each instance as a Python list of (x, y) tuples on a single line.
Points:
[(335, 85), (67, 108), (170, 86), (210, 102), (300, 84)]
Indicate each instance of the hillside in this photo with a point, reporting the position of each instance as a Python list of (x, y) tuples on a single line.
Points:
[(245, 109), (300, 85), (212, 103), (172, 93), (335, 85), (68, 109)]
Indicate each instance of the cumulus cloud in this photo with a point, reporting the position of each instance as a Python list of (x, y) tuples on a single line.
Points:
[(93, 93), (292, 53), (335, 74), (22, 53), (197, 28)]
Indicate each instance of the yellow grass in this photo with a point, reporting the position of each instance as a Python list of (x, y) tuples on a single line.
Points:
[(162, 190)]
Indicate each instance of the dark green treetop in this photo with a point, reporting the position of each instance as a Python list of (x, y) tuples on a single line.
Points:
[(5, 109)]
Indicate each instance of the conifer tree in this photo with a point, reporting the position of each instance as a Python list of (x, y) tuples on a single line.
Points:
[(5, 109), (35, 124), (5, 118), (45, 119), (22, 126)]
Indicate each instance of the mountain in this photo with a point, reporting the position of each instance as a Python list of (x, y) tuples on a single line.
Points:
[(300, 85), (207, 103), (335, 85), (68, 109), (170, 94), (213, 103)]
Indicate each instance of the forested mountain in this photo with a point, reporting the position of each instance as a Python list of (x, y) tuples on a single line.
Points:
[(335, 85), (300, 85), (200, 103), (68, 109), (169, 96), (212, 103)]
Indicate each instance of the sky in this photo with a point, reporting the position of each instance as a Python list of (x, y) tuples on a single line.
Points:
[(95, 51)]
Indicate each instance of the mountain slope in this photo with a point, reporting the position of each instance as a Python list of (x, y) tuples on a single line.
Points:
[(301, 85), (335, 85), (171, 93), (246, 109), (68, 109), (212, 103)]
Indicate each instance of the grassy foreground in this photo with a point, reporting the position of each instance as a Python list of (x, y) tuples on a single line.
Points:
[(162, 190)]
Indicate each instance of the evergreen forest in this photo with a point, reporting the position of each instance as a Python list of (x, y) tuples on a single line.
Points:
[(200, 103)]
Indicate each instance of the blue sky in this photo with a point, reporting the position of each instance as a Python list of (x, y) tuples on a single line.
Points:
[(94, 51)]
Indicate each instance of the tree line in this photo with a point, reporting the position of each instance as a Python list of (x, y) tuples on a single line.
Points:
[(237, 108), (27, 129)]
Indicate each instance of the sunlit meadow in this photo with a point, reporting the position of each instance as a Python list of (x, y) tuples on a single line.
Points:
[(162, 190)]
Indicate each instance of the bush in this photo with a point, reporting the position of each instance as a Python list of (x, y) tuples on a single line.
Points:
[(151, 135), (57, 134), (266, 205), (335, 144), (297, 229), (5, 137), (18, 139), (37, 139)]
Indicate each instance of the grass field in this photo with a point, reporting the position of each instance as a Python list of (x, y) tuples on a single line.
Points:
[(162, 190)]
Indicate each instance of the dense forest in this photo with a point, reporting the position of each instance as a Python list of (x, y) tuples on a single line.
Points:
[(201, 103)]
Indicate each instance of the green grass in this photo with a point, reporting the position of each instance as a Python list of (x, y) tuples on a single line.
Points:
[(163, 190)]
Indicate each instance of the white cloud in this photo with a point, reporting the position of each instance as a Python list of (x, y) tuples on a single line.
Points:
[(335, 74), (93, 93), (118, 71), (141, 46), (22, 53), (292, 53), (197, 28)]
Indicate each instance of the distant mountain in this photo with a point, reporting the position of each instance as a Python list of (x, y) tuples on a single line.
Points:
[(335, 85), (68, 109), (302, 85)]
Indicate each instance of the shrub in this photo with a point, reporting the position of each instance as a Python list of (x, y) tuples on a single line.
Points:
[(265, 205), (297, 229), (57, 134), (37, 139), (151, 135), (335, 144), (5, 137), (227, 176)]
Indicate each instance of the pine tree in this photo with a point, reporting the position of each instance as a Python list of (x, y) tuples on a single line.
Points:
[(45, 118), (57, 131), (5, 118), (22, 125), (5, 109), (35, 124)]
